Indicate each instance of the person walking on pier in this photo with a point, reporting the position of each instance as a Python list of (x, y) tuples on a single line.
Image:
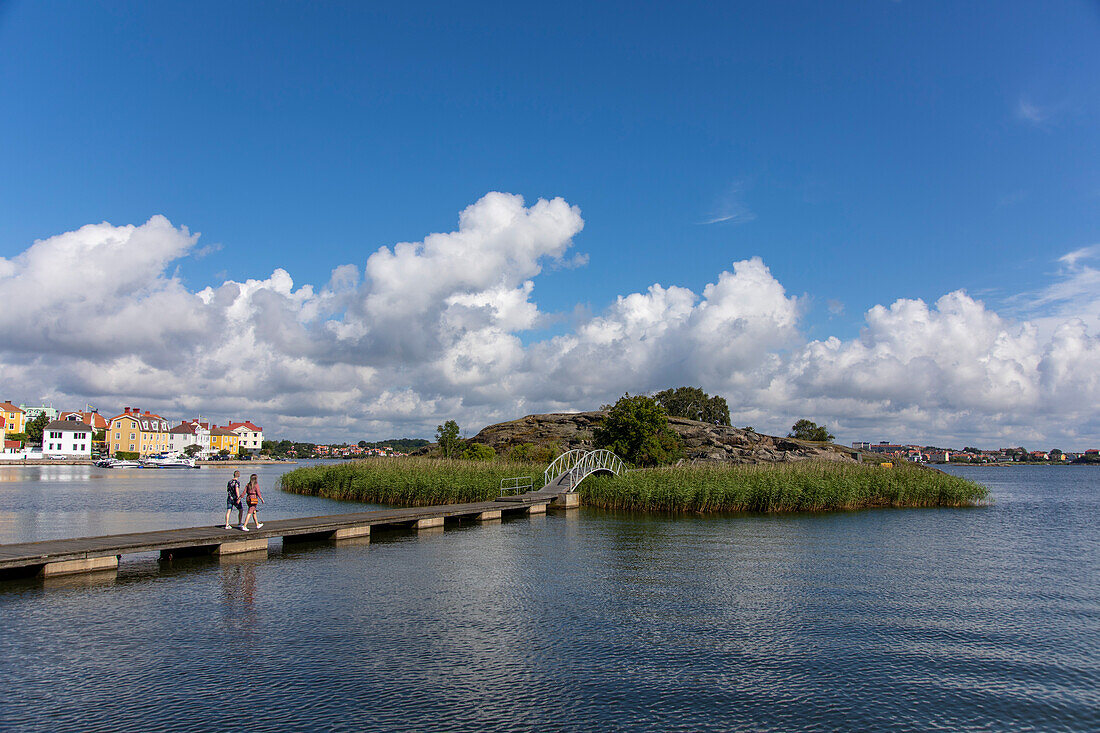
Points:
[(233, 500), (255, 498)]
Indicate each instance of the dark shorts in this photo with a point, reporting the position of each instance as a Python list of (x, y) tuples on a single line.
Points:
[(230, 504)]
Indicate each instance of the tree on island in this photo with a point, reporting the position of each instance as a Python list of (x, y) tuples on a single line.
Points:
[(694, 404), (636, 429), (362, 444), (35, 428), (447, 437), (807, 430)]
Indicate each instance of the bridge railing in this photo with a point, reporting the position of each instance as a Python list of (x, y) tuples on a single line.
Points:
[(515, 485), (573, 466)]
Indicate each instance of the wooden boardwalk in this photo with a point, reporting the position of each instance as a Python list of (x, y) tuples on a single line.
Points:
[(90, 554)]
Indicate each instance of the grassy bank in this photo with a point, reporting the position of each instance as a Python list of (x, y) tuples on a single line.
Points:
[(787, 487), (408, 481)]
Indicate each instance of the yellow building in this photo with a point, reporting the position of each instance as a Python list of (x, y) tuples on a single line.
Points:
[(144, 433), (15, 420), (224, 439)]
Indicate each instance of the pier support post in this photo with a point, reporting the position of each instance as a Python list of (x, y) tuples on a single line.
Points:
[(428, 523), (489, 516), (347, 533), (536, 509), (233, 548), (566, 500), (84, 565)]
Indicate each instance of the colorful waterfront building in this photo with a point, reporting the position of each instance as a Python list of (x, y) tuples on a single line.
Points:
[(190, 433), (32, 412), (251, 435), (93, 420), (222, 438), (133, 431), (15, 420), (69, 438)]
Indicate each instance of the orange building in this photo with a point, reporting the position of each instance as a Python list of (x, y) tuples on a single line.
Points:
[(92, 419)]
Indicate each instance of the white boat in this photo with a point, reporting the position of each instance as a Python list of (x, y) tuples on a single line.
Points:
[(163, 461), (115, 463)]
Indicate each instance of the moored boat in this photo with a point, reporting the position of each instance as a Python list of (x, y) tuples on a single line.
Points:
[(168, 461), (115, 463)]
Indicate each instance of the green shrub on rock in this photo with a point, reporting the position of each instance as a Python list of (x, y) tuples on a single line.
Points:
[(479, 452), (636, 429)]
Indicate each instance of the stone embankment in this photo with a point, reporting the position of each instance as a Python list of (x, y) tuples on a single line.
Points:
[(703, 442)]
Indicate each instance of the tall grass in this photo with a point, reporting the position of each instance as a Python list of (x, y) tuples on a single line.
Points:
[(784, 487), (408, 481)]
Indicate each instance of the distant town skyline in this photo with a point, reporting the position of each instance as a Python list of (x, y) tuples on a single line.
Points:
[(349, 222)]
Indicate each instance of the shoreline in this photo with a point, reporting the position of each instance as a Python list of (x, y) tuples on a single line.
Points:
[(89, 462)]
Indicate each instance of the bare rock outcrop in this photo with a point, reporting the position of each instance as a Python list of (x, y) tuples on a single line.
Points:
[(703, 442)]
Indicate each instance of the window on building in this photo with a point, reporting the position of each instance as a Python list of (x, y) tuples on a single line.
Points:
[(132, 436)]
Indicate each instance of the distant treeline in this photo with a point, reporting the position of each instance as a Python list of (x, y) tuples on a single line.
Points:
[(402, 445)]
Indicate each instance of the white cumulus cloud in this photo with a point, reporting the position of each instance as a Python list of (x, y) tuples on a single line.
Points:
[(447, 327)]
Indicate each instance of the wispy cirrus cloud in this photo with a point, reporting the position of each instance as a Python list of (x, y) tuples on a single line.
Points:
[(731, 207), (1028, 111)]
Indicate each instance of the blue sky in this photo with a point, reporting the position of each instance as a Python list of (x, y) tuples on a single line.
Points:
[(866, 152)]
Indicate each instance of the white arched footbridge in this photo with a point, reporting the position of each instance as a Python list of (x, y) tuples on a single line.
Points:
[(572, 467), (564, 474)]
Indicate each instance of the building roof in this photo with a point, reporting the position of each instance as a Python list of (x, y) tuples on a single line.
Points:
[(93, 419), (219, 430), (137, 414), (187, 428), (71, 425), (247, 424), (9, 407)]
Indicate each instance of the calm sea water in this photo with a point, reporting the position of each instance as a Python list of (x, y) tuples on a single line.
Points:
[(976, 619)]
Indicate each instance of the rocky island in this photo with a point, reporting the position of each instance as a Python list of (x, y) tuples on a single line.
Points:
[(703, 442)]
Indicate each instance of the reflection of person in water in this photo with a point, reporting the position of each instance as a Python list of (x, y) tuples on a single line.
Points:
[(238, 595)]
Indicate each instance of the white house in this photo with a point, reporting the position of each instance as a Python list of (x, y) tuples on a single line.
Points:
[(70, 438), (251, 435), (189, 433)]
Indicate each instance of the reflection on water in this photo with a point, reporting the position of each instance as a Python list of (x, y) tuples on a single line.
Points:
[(875, 620), (238, 586)]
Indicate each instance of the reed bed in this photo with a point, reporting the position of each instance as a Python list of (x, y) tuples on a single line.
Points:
[(785, 487), (408, 481)]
